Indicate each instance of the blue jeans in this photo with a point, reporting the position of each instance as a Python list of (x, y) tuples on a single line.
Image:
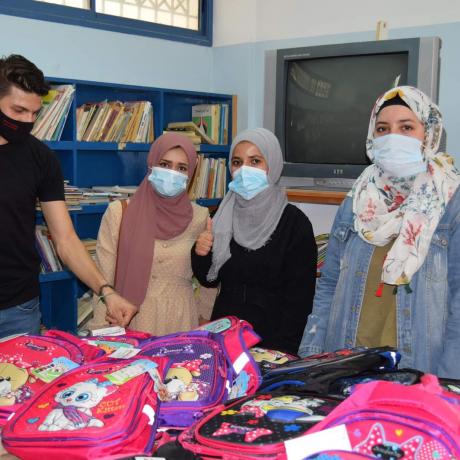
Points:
[(23, 318)]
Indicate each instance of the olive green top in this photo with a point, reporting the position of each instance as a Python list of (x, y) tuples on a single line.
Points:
[(377, 321)]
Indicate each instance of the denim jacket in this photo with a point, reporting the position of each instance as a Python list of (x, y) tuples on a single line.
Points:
[(428, 318)]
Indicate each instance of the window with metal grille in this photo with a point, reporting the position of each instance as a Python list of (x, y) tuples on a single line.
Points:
[(181, 20)]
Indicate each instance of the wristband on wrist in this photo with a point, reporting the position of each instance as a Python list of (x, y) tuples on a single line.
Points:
[(106, 285), (101, 295)]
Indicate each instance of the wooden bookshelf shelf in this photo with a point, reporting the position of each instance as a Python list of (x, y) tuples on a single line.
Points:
[(316, 196)]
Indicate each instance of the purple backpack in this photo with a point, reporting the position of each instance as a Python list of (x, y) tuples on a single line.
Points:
[(198, 379)]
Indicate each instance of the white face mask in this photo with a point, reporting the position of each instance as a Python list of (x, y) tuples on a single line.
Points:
[(168, 182), (248, 182), (398, 155)]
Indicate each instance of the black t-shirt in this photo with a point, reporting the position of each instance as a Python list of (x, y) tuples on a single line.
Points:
[(28, 171)]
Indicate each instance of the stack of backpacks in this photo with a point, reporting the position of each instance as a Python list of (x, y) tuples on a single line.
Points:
[(213, 394)]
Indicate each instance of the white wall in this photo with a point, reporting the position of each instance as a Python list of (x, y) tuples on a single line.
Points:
[(235, 22), (243, 21)]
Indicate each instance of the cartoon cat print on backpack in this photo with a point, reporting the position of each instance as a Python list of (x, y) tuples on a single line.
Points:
[(74, 406)]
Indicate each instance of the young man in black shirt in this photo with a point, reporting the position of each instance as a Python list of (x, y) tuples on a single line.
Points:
[(29, 170)]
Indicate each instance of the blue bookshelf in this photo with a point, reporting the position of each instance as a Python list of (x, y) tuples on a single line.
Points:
[(86, 164)]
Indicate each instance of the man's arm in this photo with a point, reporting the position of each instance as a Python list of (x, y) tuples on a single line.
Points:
[(74, 255)]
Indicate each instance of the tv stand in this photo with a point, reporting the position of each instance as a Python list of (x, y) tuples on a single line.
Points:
[(316, 196)]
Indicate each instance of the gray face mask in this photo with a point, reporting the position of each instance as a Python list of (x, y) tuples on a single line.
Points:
[(398, 155)]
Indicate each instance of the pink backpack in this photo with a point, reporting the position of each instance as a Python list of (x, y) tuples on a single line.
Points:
[(102, 409), (238, 337), (391, 421), (90, 352), (20, 357)]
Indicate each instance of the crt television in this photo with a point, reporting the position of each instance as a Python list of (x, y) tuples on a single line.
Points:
[(324, 96)]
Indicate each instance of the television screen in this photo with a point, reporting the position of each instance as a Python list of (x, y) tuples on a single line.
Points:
[(328, 104)]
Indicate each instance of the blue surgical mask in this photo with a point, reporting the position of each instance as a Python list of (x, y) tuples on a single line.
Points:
[(398, 155), (168, 182), (248, 182)]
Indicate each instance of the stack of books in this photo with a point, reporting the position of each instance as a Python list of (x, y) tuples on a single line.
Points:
[(191, 130), (212, 120), (116, 192), (210, 178), (321, 243), (53, 115), (72, 196), (90, 196), (49, 259), (115, 121)]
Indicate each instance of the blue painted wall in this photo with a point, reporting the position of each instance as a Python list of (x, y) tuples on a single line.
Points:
[(90, 54)]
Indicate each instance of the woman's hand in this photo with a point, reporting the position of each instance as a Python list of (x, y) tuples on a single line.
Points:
[(205, 240), (119, 310)]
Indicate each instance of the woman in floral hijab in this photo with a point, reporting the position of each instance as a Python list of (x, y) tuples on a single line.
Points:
[(392, 271), (410, 207)]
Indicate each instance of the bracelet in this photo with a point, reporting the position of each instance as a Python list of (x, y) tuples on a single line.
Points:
[(102, 297), (99, 294)]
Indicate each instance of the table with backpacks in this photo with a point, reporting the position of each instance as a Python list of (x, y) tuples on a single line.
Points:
[(212, 393)]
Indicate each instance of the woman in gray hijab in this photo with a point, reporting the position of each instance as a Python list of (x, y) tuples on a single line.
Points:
[(258, 247)]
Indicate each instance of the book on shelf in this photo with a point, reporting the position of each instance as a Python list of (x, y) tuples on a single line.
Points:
[(321, 243), (223, 128), (209, 179), (72, 198), (90, 196), (49, 259), (212, 120), (115, 121), (207, 118), (124, 191), (90, 246), (84, 309), (53, 114), (186, 127)]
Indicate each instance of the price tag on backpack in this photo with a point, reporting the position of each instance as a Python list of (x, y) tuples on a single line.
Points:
[(109, 346), (127, 373), (125, 353), (54, 369), (113, 330), (335, 438)]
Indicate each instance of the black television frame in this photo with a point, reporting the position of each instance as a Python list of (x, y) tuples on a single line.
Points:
[(423, 72)]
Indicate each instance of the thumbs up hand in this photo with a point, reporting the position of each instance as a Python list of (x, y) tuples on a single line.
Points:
[(205, 240)]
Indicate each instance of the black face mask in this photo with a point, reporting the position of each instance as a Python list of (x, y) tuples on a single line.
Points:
[(14, 131)]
